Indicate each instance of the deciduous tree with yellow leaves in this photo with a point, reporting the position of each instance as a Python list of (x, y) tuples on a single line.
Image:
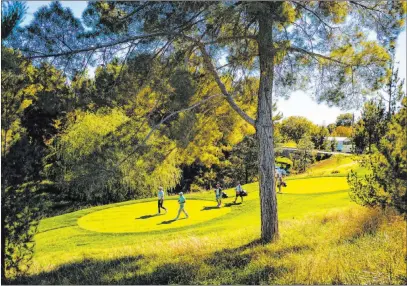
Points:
[(319, 46)]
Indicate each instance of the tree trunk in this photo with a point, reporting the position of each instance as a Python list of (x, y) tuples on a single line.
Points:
[(4, 147), (370, 143), (390, 89), (3, 238), (246, 174), (264, 130)]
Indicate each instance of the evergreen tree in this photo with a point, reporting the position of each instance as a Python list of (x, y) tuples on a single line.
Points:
[(12, 14), (385, 185), (345, 119), (35, 102), (331, 127), (394, 89), (243, 161), (303, 157), (371, 127), (319, 137), (273, 39)]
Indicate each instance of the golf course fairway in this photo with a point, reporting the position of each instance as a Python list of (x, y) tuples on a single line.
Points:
[(325, 238)]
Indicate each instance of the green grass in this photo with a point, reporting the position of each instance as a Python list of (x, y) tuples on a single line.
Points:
[(143, 217), (335, 166), (324, 239)]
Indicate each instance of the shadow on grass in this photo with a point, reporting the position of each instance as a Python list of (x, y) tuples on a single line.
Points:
[(166, 222), (183, 273), (123, 271), (263, 275), (147, 216), (227, 266), (227, 205), (85, 272), (170, 221), (207, 208), (235, 263), (251, 263)]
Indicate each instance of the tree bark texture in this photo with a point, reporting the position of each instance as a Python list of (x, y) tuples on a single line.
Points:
[(3, 245), (264, 131)]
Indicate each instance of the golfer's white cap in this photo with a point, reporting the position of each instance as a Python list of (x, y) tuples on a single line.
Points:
[(181, 193)]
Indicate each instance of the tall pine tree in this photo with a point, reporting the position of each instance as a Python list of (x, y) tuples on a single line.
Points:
[(321, 46)]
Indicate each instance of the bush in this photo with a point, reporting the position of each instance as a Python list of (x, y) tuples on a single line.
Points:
[(21, 212), (195, 188)]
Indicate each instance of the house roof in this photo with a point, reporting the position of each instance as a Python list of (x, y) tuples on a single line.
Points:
[(339, 139)]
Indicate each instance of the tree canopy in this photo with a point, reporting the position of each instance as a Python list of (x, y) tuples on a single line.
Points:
[(385, 185), (295, 127), (169, 70), (345, 119)]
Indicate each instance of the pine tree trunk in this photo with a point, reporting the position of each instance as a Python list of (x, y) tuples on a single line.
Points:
[(264, 130), (246, 174), (3, 244)]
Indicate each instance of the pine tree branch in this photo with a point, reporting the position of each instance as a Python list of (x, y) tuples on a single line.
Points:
[(228, 96), (94, 48), (41, 55), (232, 38), (315, 14), (131, 14), (201, 46), (316, 55), (366, 7)]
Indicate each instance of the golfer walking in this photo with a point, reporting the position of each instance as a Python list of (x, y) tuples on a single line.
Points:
[(181, 202), (218, 194), (161, 200), (239, 192), (278, 177)]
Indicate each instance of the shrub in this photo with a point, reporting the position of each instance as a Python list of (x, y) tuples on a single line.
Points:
[(195, 188)]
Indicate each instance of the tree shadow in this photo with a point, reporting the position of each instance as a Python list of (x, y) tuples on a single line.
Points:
[(231, 258), (291, 249), (147, 216), (85, 272), (263, 275), (253, 243), (236, 262), (226, 266), (181, 273)]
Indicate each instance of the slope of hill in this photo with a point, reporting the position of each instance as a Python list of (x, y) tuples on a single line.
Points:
[(325, 239)]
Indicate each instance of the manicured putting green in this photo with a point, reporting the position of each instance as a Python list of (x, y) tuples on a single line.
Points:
[(316, 185), (309, 186), (142, 217)]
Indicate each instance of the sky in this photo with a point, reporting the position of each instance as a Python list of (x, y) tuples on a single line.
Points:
[(299, 103)]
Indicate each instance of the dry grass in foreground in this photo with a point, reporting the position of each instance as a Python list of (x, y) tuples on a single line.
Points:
[(344, 246)]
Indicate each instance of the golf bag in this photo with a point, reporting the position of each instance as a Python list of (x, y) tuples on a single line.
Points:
[(243, 193)]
